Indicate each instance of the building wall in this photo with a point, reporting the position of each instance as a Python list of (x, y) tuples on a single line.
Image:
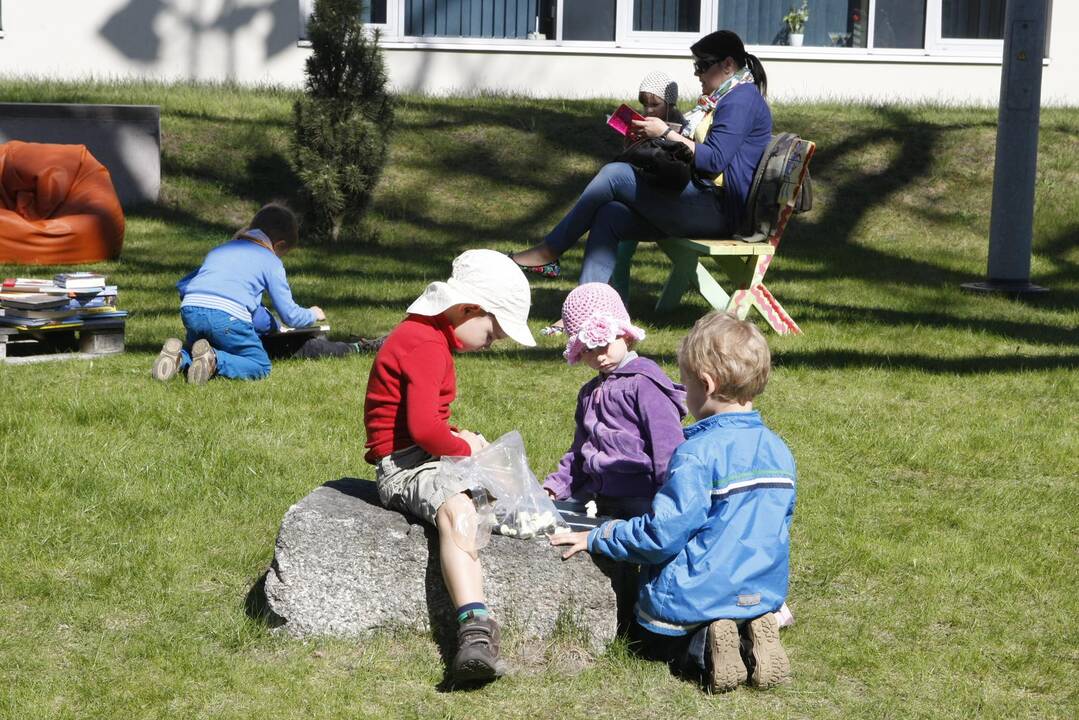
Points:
[(255, 41)]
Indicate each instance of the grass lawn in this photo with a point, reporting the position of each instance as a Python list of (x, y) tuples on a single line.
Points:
[(935, 541)]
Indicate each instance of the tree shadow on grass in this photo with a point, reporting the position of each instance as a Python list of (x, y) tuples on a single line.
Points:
[(971, 365), (425, 238), (1031, 331)]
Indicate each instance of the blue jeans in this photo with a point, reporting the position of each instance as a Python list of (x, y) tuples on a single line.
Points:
[(239, 350), (620, 205)]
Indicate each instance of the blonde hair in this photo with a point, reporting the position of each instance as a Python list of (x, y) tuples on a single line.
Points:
[(732, 352), (278, 222)]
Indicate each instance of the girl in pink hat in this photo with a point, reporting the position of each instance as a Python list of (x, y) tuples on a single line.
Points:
[(629, 417)]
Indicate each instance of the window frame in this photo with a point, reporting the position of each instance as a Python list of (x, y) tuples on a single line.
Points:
[(935, 48), (625, 35), (934, 43), (389, 29)]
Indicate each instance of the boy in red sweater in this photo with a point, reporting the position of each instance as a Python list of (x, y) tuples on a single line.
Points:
[(407, 412)]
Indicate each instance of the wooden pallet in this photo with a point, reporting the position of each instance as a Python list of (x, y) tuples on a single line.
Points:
[(67, 341)]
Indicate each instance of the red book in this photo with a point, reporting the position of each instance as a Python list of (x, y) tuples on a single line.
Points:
[(27, 284), (622, 119)]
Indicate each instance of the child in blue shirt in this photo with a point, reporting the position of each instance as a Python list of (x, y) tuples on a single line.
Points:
[(716, 545), (220, 298)]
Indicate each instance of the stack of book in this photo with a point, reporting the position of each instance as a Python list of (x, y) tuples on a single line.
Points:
[(68, 300)]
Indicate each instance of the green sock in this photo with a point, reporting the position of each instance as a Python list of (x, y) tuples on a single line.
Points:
[(475, 609)]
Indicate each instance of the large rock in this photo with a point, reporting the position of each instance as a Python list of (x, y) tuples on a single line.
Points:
[(344, 566)]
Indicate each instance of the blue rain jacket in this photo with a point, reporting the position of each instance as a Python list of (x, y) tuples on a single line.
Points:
[(717, 542)]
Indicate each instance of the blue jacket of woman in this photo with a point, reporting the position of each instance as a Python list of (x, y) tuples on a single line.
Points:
[(717, 542), (740, 132)]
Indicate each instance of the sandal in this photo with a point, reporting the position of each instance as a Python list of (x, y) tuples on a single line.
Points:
[(548, 270), (553, 330)]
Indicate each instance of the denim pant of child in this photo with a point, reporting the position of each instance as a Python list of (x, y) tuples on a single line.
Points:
[(621, 205), (239, 350), (685, 655)]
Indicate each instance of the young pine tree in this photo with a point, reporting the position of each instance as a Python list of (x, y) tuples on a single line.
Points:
[(341, 124)]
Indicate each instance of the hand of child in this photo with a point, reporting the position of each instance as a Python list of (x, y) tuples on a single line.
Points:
[(551, 493), (577, 541), (475, 442), (319, 315)]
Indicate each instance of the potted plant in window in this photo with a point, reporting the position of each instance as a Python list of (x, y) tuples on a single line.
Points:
[(796, 20)]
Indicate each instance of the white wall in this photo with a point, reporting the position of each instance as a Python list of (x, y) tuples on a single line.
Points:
[(255, 41), (788, 79)]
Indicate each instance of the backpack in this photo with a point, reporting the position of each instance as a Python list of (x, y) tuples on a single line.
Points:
[(767, 191)]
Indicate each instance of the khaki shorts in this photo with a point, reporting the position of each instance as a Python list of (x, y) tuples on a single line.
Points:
[(409, 480)]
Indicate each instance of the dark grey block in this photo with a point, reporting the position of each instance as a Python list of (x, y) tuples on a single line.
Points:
[(126, 139), (101, 342)]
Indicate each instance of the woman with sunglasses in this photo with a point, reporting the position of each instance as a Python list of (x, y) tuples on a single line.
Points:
[(727, 133)]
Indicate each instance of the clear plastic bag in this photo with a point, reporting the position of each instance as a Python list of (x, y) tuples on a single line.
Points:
[(471, 531), (507, 496)]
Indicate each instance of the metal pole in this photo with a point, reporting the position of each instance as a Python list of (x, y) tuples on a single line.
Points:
[(1011, 226)]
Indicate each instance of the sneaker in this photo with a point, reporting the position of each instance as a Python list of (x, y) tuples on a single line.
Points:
[(784, 616), (726, 669), (367, 344), (768, 661), (555, 329), (477, 660), (203, 363), (168, 360)]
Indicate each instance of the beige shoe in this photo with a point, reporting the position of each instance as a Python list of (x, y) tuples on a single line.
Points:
[(770, 665), (203, 363), (168, 360), (727, 669)]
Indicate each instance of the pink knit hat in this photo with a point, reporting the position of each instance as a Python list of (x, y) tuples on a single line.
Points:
[(594, 316)]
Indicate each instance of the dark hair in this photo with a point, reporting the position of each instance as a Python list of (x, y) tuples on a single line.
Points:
[(278, 222), (723, 44)]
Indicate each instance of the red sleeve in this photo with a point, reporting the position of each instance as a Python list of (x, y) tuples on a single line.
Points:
[(422, 372)]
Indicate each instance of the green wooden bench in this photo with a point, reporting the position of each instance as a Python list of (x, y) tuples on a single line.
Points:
[(743, 263)]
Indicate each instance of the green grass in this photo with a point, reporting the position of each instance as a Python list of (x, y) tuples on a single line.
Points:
[(933, 569)]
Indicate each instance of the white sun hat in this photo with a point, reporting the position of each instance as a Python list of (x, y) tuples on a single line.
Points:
[(489, 279)]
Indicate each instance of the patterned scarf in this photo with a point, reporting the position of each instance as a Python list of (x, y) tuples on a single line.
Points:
[(707, 103)]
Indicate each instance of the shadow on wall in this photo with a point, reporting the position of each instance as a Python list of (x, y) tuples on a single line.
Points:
[(138, 30)]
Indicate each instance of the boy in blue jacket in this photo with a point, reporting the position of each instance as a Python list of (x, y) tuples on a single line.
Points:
[(220, 299), (716, 545)]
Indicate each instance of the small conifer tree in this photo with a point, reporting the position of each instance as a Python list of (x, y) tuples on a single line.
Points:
[(341, 124)]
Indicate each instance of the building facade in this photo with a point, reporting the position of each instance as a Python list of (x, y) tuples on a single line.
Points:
[(875, 50)]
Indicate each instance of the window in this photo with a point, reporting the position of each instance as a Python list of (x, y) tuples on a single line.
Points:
[(896, 24), (667, 16), (471, 18), (972, 27), (593, 20), (966, 28), (972, 19), (374, 12)]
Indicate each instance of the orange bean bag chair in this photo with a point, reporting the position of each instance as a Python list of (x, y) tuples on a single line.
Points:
[(57, 206)]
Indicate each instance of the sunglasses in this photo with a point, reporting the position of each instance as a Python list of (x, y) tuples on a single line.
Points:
[(701, 66)]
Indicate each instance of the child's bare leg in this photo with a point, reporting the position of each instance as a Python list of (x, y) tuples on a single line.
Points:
[(461, 569), (478, 636)]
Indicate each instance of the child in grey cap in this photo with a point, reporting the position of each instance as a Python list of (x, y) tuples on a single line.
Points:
[(658, 96)]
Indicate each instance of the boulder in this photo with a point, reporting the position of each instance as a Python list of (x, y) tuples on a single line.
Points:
[(345, 566)]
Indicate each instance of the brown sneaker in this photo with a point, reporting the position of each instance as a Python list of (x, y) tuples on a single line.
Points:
[(726, 669), (769, 665), (477, 660), (168, 360), (203, 363)]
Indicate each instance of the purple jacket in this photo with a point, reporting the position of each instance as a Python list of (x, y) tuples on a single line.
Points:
[(628, 425)]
